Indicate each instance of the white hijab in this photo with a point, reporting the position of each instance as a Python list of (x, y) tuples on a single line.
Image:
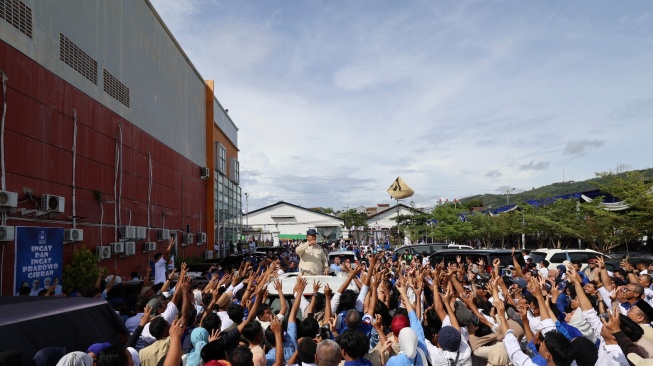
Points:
[(408, 344), (76, 359)]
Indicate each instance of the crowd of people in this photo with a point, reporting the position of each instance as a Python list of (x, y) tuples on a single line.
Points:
[(387, 311)]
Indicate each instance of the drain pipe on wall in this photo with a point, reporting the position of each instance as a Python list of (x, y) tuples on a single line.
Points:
[(2, 130), (120, 184), (74, 158), (115, 195)]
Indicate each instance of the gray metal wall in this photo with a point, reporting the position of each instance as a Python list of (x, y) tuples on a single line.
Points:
[(167, 95), (224, 122)]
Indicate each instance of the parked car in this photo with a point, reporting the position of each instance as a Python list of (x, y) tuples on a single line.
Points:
[(557, 256), (344, 255), (488, 255), (428, 248)]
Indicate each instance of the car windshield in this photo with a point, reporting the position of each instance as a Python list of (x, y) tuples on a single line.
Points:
[(538, 257), (343, 258)]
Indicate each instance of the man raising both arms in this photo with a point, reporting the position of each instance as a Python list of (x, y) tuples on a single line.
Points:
[(160, 260), (312, 260)]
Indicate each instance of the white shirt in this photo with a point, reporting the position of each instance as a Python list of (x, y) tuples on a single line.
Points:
[(439, 357), (169, 315), (160, 271), (463, 330), (225, 321)]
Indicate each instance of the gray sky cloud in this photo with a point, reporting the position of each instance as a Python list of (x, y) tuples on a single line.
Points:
[(581, 147), (540, 165), (493, 174)]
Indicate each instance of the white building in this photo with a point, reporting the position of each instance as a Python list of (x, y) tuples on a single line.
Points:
[(381, 222), (284, 220)]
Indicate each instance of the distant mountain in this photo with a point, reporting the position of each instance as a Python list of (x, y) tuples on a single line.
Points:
[(555, 189)]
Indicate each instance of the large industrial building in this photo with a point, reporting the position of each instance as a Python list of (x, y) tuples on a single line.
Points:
[(110, 133)]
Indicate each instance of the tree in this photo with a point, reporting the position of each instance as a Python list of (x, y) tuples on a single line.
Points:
[(353, 218), (82, 271)]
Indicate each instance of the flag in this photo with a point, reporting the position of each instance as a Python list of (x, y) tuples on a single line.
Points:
[(399, 189)]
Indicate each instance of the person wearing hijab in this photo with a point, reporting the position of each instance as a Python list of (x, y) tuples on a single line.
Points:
[(76, 359), (498, 356), (199, 337), (48, 356), (409, 352)]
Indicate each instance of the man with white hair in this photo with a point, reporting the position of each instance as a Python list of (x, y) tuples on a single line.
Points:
[(327, 353)]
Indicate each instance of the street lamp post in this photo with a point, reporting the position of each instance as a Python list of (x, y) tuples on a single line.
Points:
[(508, 195), (247, 209)]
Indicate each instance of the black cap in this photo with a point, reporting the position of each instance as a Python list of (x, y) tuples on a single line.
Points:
[(645, 308), (311, 232)]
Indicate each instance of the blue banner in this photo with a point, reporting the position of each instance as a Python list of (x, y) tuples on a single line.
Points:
[(39, 259)]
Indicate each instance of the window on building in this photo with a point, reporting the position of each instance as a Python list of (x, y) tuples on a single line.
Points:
[(235, 170), (220, 157)]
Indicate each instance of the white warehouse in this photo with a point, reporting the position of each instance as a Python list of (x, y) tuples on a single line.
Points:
[(285, 221)]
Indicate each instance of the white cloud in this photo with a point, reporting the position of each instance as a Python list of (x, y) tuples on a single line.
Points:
[(455, 97)]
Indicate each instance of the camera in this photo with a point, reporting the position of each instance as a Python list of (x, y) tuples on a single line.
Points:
[(325, 332)]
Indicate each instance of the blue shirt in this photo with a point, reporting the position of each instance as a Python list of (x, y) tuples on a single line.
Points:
[(359, 362), (335, 268), (289, 346)]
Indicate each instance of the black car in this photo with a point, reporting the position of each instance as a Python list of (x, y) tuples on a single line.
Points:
[(488, 255), (428, 248)]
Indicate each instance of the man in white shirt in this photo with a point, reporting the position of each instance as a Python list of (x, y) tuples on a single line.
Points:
[(223, 304), (160, 260)]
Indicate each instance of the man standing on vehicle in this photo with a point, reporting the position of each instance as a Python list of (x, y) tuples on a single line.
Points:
[(313, 261)]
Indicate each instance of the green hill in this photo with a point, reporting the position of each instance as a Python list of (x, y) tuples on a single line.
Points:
[(555, 189)]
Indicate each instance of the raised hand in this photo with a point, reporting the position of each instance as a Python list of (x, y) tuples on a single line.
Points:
[(275, 325), (378, 322), (601, 262), (523, 312), (278, 286), (215, 335), (145, 318), (301, 284), (316, 286), (501, 308), (177, 329), (496, 262), (327, 291)]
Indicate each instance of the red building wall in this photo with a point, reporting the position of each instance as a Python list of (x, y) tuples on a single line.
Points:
[(38, 158)]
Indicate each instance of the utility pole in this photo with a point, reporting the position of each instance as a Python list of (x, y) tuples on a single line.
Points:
[(508, 195), (247, 209)]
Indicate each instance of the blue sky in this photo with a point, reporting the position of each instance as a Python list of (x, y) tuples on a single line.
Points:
[(335, 99)]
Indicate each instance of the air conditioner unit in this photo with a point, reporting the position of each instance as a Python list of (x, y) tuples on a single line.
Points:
[(164, 234), (149, 246), (103, 252), (73, 235), (201, 238), (128, 232), (130, 248), (204, 172), (8, 199), (6, 233), (117, 248), (141, 232), (208, 254), (52, 203), (186, 239)]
